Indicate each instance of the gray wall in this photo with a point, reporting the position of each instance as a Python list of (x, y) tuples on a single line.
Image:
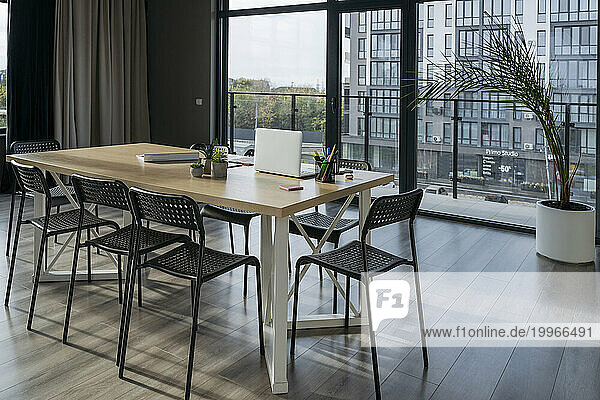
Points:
[(180, 70)]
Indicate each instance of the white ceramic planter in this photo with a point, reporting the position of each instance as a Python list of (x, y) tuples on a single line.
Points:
[(564, 235)]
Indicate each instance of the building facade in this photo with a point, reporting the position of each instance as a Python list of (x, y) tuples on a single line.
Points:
[(501, 147)]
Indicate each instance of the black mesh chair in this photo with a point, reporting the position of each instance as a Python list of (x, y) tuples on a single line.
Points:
[(232, 216), (192, 261), (316, 224), (113, 194), (31, 179), (57, 196), (357, 258)]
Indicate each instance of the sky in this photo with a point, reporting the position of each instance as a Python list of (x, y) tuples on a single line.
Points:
[(286, 49)]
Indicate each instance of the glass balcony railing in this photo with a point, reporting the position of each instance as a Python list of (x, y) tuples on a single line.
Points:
[(298, 111), (485, 159)]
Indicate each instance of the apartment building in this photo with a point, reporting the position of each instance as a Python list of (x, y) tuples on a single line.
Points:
[(500, 146)]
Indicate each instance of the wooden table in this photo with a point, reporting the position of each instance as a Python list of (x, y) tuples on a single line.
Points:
[(243, 189)]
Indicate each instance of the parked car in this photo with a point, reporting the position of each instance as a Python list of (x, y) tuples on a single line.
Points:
[(496, 198), (434, 189)]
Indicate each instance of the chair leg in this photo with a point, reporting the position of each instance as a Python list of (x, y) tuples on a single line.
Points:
[(295, 310), (97, 228), (373, 345), (246, 251), (335, 292), (139, 277), (128, 277), (126, 318), (71, 287), (89, 258), (120, 276), (231, 238), (347, 312), (261, 336), (10, 219), (413, 248), (421, 320), (321, 274), (56, 236), (192, 293), (190, 368), (38, 270), (14, 250)]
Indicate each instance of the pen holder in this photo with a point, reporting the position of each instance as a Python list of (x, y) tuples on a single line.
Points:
[(325, 170)]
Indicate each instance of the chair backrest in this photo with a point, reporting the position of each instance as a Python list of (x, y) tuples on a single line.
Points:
[(34, 146), (104, 192), (167, 209), (354, 164), (30, 178), (387, 210)]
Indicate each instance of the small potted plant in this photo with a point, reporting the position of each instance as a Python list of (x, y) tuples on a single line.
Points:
[(208, 150), (219, 163), (197, 169)]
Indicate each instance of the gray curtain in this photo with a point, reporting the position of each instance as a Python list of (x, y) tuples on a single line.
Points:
[(100, 88)]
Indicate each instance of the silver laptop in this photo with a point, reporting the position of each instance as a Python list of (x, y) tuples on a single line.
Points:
[(278, 151)]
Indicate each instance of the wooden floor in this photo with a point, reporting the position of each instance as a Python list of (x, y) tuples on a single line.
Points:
[(327, 365)]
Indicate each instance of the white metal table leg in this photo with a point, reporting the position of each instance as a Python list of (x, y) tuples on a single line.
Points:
[(279, 286), (266, 264)]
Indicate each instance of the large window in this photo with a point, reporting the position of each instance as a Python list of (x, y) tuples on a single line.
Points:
[(571, 10), (467, 43), (500, 144), (467, 12), (541, 43), (384, 73), (517, 137), (382, 127), (468, 133), (494, 135), (574, 74), (384, 101), (296, 64), (575, 40), (449, 16), (495, 11), (385, 45), (385, 20)]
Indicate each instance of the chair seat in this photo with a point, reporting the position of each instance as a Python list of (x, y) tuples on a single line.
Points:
[(316, 224), (68, 221), (227, 214), (150, 240), (347, 260), (181, 261)]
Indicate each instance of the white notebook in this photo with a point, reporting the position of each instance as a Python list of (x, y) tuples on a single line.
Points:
[(164, 157)]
